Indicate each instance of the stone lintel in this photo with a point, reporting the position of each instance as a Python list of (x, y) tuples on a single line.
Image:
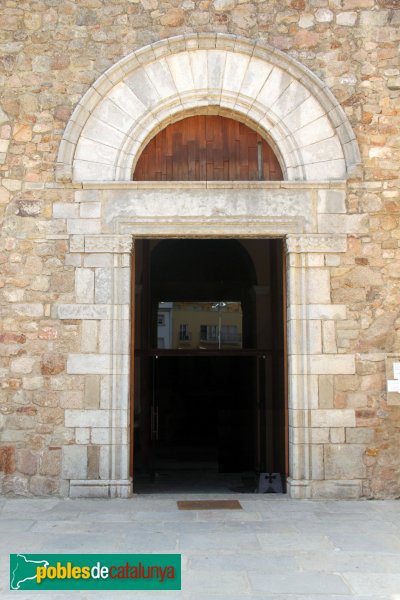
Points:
[(219, 227)]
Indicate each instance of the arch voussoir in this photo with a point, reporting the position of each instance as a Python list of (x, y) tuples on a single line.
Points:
[(162, 82)]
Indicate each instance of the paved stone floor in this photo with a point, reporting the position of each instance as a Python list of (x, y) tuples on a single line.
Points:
[(273, 549)]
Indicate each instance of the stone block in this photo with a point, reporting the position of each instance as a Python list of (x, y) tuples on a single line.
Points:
[(74, 462), (317, 461), (65, 210), (98, 260), (44, 486), (83, 226), (29, 310), (331, 201), (104, 462), (344, 461), (161, 79), (104, 286), (324, 170), (50, 463), (96, 488), (298, 417), (299, 461), (314, 132), (71, 399), (114, 337), (332, 260), (118, 244), (346, 19), (337, 417), (309, 286), (332, 364), (84, 286), (321, 364), (319, 435), (309, 332), (337, 435), (305, 333), (27, 462), (90, 210), (303, 391), (293, 95), (359, 435), (101, 435), (235, 69), (77, 243), (82, 435), (52, 363), (315, 260), (81, 311), (89, 336), (374, 19), (326, 391), (32, 383), (335, 223), (22, 364), (93, 462), (318, 286), (128, 100), (92, 391), (13, 295), (87, 418), (317, 311), (7, 459), (89, 171), (329, 337), (97, 364), (340, 490)]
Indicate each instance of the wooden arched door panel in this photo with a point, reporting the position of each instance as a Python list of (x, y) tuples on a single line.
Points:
[(207, 148)]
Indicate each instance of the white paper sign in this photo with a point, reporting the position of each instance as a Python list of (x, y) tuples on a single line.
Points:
[(396, 370), (393, 385)]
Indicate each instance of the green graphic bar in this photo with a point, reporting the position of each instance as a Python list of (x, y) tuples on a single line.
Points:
[(95, 572)]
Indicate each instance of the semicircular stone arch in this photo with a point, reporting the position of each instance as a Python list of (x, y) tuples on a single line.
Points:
[(200, 73)]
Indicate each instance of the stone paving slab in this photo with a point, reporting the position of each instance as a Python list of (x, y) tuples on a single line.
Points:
[(274, 548)]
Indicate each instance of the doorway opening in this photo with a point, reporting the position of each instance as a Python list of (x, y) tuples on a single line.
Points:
[(209, 368)]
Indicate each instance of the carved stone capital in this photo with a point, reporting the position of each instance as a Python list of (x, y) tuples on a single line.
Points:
[(315, 242)]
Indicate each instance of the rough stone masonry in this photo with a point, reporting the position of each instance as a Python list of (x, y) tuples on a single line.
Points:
[(54, 424)]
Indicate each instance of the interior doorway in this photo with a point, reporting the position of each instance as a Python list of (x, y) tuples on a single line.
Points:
[(209, 402)]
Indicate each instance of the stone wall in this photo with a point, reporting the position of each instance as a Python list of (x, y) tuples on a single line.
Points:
[(50, 54)]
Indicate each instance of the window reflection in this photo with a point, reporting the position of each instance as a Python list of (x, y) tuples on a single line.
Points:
[(199, 325)]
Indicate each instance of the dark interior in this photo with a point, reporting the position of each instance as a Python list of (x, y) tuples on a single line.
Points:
[(206, 412), (208, 417)]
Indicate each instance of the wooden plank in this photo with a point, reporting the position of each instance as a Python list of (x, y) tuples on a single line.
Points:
[(253, 162), (203, 164), (192, 147)]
